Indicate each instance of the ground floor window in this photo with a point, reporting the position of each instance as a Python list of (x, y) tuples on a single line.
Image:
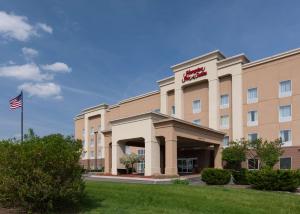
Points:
[(285, 163), (140, 167), (186, 165), (253, 163)]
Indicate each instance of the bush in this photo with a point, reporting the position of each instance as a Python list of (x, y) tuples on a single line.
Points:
[(182, 182), (216, 176), (278, 180), (235, 154), (240, 176), (41, 174)]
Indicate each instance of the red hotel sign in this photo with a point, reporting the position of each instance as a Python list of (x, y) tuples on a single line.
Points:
[(194, 74)]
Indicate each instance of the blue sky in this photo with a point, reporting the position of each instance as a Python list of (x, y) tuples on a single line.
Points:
[(72, 54)]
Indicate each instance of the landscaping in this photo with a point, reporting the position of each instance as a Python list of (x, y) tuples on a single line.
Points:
[(105, 197)]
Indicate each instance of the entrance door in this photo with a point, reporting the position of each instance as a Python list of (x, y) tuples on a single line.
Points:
[(186, 165)]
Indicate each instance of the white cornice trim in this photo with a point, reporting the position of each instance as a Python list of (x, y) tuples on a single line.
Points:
[(272, 58), (139, 97), (240, 58), (166, 81), (214, 54), (95, 108)]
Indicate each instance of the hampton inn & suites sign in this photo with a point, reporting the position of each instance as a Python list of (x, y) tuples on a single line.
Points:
[(194, 74)]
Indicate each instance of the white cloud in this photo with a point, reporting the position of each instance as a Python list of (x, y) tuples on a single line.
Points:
[(42, 90), (24, 72), (44, 27), (29, 52), (59, 67), (17, 27)]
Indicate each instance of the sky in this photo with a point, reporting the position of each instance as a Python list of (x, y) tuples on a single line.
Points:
[(72, 54)]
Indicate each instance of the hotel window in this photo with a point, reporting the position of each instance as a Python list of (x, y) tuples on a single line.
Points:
[(286, 137), (285, 113), (92, 131), (197, 122), (285, 163), (285, 88), (224, 122), (252, 118), (173, 111), (252, 95), (127, 150), (92, 142), (252, 137), (141, 152), (253, 164), (196, 106), (92, 154), (224, 101), (226, 141)]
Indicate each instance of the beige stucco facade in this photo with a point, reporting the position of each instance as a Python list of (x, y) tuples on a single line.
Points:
[(205, 102)]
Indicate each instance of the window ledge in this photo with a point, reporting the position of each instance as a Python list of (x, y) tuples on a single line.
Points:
[(285, 119), (250, 101), (285, 94), (224, 106), (286, 144), (250, 123)]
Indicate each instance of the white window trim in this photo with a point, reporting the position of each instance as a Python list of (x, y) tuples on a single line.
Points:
[(224, 106), (287, 143), (285, 94), (253, 100), (224, 126), (196, 111), (285, 119), (286, 157), (252, 123)]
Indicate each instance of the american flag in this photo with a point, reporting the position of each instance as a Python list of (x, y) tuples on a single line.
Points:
[(16, 102)]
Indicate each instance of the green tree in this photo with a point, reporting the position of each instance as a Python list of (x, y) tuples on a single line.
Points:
[(130, 160), (235, 154), (268, 152)]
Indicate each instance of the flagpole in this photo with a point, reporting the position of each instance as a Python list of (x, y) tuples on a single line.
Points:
[(22, 117)]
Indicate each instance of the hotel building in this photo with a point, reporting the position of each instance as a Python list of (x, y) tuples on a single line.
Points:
[(207, 102)]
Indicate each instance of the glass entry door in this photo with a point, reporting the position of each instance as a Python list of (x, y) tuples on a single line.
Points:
[(186, 165)]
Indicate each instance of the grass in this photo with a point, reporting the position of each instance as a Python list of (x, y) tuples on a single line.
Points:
[(104, 197)]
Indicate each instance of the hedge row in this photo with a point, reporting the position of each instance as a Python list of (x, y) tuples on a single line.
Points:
[(267, 179)]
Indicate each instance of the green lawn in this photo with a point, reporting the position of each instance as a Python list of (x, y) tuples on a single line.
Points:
[(103, 197)]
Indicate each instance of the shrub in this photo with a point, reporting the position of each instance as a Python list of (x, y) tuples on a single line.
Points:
[(279, 180), (235, 154), (216, 176), (41, 174), (129, 161), (240, 176), (182, 182)]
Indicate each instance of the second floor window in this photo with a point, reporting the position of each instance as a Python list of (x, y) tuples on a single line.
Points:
[(285, 113), (252, 96), (252, 118), (224, 101), (285, 88), (196, 106), (224, 122), (286, 137)]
